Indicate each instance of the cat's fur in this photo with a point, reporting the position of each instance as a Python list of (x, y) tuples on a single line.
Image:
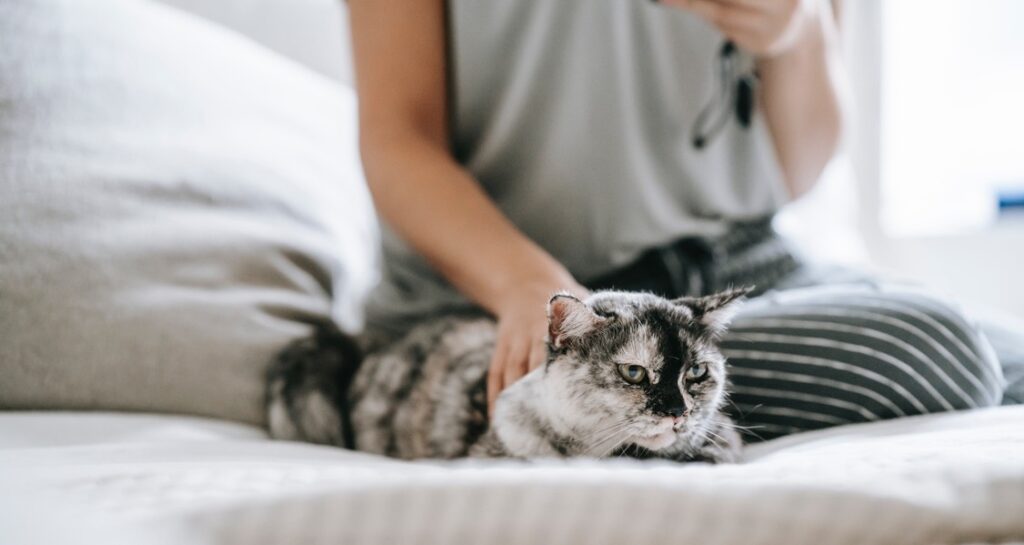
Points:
[(424, 396)]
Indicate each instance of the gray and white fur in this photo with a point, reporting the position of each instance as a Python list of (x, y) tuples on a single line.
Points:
[(627, 374)]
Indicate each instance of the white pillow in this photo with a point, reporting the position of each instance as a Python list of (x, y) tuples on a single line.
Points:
[(176, 204)]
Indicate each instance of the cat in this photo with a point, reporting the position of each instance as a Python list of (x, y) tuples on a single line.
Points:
[(627, 374)]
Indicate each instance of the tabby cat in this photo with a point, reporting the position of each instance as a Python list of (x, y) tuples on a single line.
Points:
[(627, 374)]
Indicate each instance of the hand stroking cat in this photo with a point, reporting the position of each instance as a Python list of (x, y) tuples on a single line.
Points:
[(627, 374)]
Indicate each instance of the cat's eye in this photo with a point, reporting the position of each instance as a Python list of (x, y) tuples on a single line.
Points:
[(633, 374), (696, 371)]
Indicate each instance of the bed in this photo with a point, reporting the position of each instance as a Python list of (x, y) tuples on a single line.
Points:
[(83, 477), (174, 302)]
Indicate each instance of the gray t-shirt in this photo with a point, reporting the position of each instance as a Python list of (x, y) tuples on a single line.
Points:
[(576, 117)]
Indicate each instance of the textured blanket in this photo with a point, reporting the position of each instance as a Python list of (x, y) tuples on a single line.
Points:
[(952, 478)]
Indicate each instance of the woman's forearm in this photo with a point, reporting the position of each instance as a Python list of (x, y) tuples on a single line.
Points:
[(802, 96), (417, 186), (439, 209)]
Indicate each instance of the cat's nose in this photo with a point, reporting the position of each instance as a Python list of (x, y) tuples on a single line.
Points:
[(676, 411)]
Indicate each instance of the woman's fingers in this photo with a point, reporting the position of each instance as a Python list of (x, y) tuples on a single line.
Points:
[(496, 375), (718, 13), (748, 37), (732, 20), (754, 5), (763, 27), (517, 363), (522, 329), (511, 361), (538, 353)]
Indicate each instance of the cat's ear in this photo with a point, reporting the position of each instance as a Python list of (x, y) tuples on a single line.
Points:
[(715, 311), (570, 319)]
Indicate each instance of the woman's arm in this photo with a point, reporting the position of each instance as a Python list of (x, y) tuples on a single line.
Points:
[(802, 95), (427, 197), (797, 45)]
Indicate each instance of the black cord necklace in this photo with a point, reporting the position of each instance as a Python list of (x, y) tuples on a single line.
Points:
[(736, 91)]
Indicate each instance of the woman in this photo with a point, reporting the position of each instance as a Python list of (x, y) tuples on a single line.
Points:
[(516, 148)]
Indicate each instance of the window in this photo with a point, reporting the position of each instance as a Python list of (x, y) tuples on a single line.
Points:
[(952, 119)]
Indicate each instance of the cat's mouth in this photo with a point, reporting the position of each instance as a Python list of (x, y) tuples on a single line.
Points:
[(662, 436), (657, 441)]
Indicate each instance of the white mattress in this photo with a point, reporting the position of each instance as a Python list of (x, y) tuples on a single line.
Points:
[(85, 478)]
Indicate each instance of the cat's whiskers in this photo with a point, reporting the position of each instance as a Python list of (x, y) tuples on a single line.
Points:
[(614, 443), (612, 448), (614, 424), (625, 452), (709, 434), (612, 434), (606, 432), (733, 425), (747, 429)]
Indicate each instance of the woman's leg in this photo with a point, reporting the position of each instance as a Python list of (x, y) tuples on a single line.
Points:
[(815, 357)]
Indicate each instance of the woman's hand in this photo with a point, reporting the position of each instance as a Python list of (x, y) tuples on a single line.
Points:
[(803, 83), (522, 333), (766, 28)]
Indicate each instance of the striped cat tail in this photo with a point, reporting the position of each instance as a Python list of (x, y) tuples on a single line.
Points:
[(306, 389)]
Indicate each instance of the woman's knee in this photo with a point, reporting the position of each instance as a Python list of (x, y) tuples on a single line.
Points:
[(905, 342), (959, 345)]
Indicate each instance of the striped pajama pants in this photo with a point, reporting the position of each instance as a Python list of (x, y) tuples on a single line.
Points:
[(813, 357), (822, 347)]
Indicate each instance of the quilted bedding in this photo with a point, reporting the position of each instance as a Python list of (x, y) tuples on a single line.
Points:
[(92, 477)]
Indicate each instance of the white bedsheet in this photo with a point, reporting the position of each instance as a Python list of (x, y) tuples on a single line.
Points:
[(84, 478)]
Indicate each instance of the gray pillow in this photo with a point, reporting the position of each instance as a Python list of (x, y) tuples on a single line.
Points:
[(176, 204)]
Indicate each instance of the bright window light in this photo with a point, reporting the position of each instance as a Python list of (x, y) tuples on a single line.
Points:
[(952, 113)]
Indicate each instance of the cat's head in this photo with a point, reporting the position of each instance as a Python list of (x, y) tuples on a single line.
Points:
[(635, 368)]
